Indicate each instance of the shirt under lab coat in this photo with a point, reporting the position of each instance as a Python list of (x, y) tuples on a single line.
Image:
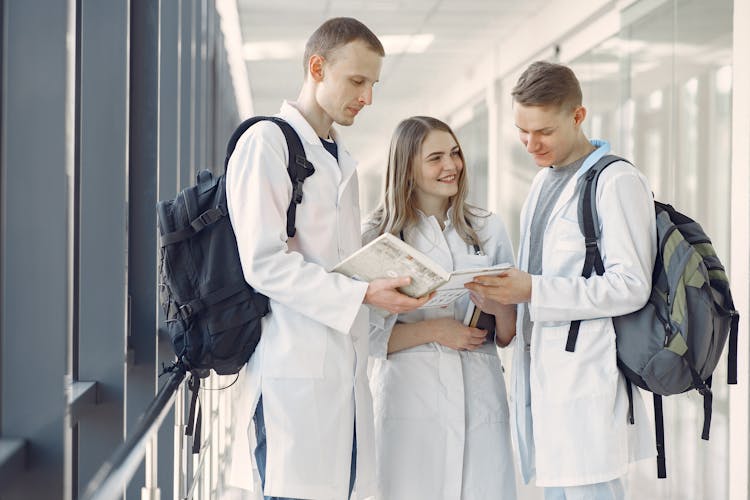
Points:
[(569, 410), (310, 364), (441, 415)]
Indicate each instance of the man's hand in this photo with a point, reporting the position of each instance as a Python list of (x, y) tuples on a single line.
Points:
[(451, 333), (509, 287), (383, 293), (487, 305)]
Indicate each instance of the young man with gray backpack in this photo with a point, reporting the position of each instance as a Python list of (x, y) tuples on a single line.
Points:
[(674, 342), (584, 339)]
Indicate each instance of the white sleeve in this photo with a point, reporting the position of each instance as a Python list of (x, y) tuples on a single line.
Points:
[(381, 326), (628, 249), (258, 195), (503, 251)]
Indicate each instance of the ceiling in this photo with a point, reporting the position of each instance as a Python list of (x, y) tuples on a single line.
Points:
[(410, 83)]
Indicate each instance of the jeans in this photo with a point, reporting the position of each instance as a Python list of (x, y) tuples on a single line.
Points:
[(611, 490), (261, 449)]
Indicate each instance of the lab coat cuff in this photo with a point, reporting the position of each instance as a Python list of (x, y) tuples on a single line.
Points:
[(533, 306), (381, 326), (349, 314)]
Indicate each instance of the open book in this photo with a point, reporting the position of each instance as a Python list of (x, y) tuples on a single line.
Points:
[(389, 257)]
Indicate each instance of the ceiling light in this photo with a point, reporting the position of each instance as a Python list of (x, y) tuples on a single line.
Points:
[(409, 44), (273, 50), (269, 50)]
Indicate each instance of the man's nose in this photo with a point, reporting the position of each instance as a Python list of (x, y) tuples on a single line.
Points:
[(366, 98), (532, 143)]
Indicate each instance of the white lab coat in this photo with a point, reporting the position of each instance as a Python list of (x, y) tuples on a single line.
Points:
[(441, 416), (574, 429), (310, 364)]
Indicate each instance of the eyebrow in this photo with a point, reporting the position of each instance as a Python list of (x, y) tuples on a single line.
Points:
[(545, 129), (454, 148), (364, 77)]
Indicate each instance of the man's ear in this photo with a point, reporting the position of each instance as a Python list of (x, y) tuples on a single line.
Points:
[(315, 67), (579, 114)]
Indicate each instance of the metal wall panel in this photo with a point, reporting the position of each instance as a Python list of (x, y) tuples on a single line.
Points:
[(142, 193), (34, 312), (103, 243)]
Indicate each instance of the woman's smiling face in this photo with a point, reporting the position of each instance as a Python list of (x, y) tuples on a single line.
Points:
[(437, 167)]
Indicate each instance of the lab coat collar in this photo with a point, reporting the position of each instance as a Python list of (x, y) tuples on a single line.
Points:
[(292, 115), (300, 124), (346, 164), (445, 221), (602, 148)]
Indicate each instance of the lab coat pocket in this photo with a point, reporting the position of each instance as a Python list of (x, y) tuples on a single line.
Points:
[(295, 347), (589, 371), (564, 234), (406, 386), (484, 385)]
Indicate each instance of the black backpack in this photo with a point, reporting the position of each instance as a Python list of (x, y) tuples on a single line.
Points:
[(212, 314), (672, 344)]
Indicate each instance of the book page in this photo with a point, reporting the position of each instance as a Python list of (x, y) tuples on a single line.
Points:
[(389, 257), (454, 287)]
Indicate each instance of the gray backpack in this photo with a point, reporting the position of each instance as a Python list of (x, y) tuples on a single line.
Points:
[(674, 342)]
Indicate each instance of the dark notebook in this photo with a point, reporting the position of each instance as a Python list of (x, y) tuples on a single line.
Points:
[(476, 318)]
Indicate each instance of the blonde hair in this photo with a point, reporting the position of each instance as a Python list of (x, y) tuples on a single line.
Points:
[(398, 209)]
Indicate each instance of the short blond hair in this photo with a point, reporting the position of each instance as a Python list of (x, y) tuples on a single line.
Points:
[(337, 32), (544, 83)]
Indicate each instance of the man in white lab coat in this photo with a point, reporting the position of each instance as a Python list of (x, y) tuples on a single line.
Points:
[(313, 425), (569, 410)]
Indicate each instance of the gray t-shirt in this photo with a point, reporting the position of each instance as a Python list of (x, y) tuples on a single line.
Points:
[(553, 185)]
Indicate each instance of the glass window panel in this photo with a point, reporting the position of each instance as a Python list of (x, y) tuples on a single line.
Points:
[(660, 92), (473, 137)]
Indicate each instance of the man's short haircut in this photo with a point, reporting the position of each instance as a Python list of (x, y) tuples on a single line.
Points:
[(544, 84), (337, 32)]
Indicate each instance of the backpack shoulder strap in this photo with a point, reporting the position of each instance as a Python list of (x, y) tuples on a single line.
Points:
[(299, 168), (587, 217)]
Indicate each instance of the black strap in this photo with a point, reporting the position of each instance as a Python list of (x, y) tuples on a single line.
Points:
[(199, 304), (193, 427), (708, 399), (587, 222), (194, 385), (629, 389), (197, 436), (732, 355), (661, 460), (298, 167), (204, 220), (704, 389)]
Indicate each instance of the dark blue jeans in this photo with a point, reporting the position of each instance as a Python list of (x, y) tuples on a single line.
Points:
[(261, 449)]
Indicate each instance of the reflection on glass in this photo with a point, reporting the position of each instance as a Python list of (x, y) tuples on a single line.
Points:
[(473, 137), (673, 91), (660, 92)]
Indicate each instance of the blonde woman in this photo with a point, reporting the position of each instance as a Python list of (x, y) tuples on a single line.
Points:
[(441, 415)]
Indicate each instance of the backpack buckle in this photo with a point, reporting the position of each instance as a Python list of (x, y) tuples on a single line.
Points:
[(307, 167), (207, 218), (590, 242), (185, 311), (703, 390), (297, 192)]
